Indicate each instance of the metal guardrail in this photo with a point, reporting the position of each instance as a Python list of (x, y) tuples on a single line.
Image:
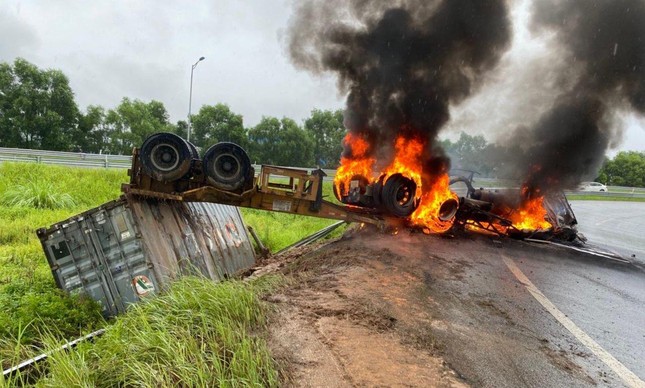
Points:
[(75, 159), (626, 189), (80, 159)]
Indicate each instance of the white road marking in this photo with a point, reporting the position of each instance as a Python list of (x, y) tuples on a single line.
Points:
[(621, 370)]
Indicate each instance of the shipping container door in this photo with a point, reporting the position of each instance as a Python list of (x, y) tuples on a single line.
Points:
[(75, 264), (117, 241)]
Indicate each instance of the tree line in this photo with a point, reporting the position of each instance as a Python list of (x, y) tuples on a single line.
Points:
[(38, 111), (627, 168)]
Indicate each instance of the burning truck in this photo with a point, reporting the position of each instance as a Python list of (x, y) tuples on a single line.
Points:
[(401, 193)]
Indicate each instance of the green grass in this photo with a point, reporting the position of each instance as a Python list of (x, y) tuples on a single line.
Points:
[(34, 196), (605, 197), (35, 313), (197, 334), (279, 230)]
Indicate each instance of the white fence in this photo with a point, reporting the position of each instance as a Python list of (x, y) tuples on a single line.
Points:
[(80, 159), (77, 159)]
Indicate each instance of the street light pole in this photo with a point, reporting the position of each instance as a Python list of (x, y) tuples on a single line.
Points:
[(190, 98)]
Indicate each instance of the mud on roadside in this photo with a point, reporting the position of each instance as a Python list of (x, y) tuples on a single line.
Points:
[(348, 317)]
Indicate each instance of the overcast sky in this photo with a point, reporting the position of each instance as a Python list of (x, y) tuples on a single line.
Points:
[(145, 48)]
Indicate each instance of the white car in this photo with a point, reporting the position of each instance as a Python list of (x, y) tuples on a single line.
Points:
[(592, 186)]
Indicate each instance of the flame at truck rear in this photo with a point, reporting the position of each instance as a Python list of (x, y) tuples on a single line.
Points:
[(428, 195)]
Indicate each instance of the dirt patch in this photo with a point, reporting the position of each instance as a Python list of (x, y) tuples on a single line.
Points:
[(414, 310), (561, 360), (350, 317)]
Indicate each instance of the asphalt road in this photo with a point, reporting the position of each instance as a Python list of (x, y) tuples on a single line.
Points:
[(617, 225), (514, 313)]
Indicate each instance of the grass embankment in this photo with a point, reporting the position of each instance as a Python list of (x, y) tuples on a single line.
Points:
[(197, 334), (603, 197), (33, 196)]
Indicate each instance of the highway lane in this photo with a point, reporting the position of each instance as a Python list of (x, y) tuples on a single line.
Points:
[(604, 299), (614, 224), (492, 329)]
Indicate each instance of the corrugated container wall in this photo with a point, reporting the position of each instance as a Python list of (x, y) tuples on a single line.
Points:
[(128, 249)]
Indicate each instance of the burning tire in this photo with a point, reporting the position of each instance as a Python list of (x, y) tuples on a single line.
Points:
[(448, 210), (397, 195), (227, 166), (166, 157)]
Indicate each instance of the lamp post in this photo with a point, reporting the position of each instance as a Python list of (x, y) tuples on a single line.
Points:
[(190, 98)]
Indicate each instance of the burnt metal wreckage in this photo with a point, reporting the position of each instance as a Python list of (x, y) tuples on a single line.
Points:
[(168, 167), (491, 210)]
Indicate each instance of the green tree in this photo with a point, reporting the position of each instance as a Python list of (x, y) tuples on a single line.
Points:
[(280, 142), (216, 123), (181, 129), (625, 169), (91, 134), (130, 123), (327, 131), (37, 107)]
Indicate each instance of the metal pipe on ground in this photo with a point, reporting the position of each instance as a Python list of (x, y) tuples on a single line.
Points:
[(313, 237), (27, 364)]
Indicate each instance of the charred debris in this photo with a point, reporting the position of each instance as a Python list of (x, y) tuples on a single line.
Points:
[(167, 167)]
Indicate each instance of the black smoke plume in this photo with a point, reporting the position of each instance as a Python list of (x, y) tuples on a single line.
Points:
[(402, 64), (604, 41)]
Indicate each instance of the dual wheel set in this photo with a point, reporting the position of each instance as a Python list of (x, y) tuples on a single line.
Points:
[(394, 194), (167, 157)]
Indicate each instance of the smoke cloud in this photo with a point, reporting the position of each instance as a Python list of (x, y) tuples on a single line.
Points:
[(402, 64), (604, 42)]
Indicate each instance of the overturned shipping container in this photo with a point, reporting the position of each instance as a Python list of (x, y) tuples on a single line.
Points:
[(128, 249)]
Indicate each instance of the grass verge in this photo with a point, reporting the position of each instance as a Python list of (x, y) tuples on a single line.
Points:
[(279, 230), (197, 334), (34, 196), (30, 302), (605, 197)]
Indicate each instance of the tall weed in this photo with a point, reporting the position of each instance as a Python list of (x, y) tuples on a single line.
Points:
[(38, 195), (197, 334)]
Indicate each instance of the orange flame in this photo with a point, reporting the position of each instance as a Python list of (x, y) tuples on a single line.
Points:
[(531, 215), (358, 164), (407, 162), (427, 214)]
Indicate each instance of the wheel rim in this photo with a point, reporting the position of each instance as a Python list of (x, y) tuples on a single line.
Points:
[(403, 195), (227, 166), (164, 157)]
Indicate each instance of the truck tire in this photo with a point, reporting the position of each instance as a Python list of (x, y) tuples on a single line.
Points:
[(397, 196), (227, 166), (165, 157)]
